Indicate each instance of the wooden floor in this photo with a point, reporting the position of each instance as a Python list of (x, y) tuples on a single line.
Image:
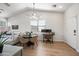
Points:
[(47, 49)]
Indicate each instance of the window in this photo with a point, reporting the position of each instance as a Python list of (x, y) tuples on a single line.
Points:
[(37, 25), (2, 23)]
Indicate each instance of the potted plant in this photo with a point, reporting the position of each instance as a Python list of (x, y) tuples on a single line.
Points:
[(2, 42), (30, 34)]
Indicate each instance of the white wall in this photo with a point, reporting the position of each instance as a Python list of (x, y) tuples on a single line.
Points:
[(22, 21), (72, 12), (54, 21)]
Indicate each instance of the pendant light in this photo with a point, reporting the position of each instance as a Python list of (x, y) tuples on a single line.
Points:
[(34, 15)]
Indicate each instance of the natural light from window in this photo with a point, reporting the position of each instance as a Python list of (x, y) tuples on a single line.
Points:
[(37, 25)]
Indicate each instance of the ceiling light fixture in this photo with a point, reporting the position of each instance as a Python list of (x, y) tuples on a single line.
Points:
[(54, 5), (34, 15), (57, 6), (60, 6)]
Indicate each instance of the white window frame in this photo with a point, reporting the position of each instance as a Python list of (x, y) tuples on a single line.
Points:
[(38, 25)]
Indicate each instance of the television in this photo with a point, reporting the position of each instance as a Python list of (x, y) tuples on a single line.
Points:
[(15, 27)]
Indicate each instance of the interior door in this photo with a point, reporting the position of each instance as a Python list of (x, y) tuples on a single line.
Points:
[(77, 33), (73, 32)]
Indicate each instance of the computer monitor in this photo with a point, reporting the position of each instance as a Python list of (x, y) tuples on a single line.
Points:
[(46, 30)]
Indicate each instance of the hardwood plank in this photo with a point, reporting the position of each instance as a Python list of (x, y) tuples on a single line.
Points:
[(47, 49)]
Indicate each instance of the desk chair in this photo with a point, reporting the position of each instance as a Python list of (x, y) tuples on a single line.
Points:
[(48, 37)]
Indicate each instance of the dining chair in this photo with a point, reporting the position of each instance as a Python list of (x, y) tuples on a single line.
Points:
[(35, 40), (22, 41)]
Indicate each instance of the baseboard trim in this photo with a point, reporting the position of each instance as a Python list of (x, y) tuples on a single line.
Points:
[(54, 41), (71, 46), (77, 50)]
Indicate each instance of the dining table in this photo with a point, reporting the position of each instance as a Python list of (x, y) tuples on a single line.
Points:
[(29, 43)]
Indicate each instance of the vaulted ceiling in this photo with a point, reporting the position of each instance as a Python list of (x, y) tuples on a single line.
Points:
[(9, 9)]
